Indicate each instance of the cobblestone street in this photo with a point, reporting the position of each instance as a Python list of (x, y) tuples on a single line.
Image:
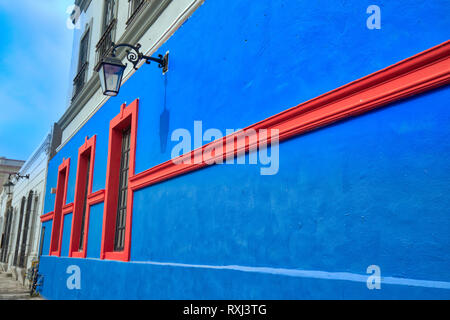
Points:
[(13, 290)]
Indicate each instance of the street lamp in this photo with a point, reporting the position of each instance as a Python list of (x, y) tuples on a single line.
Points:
[(9, 185), (110, 72), (110, 69)]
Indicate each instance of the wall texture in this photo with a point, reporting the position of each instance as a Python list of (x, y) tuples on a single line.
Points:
[(372, 190)]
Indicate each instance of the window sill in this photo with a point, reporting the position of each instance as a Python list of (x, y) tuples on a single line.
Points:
[(116, 255)]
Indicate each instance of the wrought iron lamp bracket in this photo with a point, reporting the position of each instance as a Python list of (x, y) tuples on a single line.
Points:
[(134, 55), (18, 176)]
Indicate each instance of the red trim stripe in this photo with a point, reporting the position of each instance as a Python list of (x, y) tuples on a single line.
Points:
[(96, 197), (47, 217), (424, 71), (68, 208)]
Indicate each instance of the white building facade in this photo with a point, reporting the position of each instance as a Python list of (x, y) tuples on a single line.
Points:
[(21, 209)]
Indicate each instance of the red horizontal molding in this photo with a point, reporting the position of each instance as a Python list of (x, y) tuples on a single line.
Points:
[(96, 197), (424, 71), (46, 217), (93, 198), (68, 208)]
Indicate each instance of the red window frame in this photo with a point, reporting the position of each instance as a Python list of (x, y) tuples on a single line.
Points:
[(85, 152), (127, 118), (60, 202)]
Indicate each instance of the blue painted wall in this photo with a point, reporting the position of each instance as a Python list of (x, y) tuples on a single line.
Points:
[(47, 235), (371, 190), (67, 228), (95, 231)]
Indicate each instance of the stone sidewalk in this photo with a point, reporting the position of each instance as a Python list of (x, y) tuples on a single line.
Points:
[(13, 290)]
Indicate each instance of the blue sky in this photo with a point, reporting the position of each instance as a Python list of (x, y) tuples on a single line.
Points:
[(35, 54)]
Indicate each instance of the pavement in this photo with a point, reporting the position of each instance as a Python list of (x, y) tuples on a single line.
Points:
[(13, 290)]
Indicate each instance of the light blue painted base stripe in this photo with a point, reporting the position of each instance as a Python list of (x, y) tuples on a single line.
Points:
[(313, 274)]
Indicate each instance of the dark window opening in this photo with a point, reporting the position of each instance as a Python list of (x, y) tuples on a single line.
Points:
[(80, 78), (108, 15), (104, 45), (119, 240), (26, 224), (6, 234), (84, 45), (19, 231)]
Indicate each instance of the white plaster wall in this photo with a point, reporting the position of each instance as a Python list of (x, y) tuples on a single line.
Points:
[(37, 170)]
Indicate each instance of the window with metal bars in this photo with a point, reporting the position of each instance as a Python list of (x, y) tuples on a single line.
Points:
[(19, 232), (80, 78), (84, 46), (108, 13), (119, 239), (26, 224), (7, 233), (109, 23), (116, 235)]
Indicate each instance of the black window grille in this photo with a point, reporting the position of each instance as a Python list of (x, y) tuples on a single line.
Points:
[(25, 228), (19, 231), (108, 13), (6, 234), (80, 78), (119, 240), (83, 217), (84, 50), (109, 22)]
